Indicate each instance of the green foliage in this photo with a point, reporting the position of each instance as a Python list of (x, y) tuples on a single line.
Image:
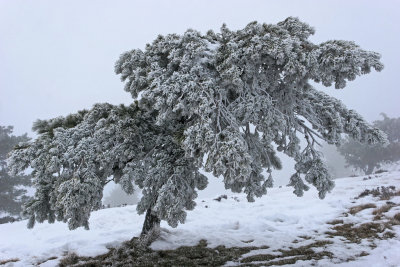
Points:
[(47, 126)]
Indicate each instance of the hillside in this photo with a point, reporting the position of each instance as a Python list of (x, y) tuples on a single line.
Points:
[(353, 226)]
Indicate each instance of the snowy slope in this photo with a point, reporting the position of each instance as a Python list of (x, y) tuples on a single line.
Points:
[(279, 220)]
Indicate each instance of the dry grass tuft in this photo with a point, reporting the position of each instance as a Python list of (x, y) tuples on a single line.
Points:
[(383, 209), (355, 234), (291, 256), (376, 229), (46, 260), (334, 222), (306, 237), (357, 209), (383, 192)]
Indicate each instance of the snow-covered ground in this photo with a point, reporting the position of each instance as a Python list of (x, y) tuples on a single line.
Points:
[(279, 220)]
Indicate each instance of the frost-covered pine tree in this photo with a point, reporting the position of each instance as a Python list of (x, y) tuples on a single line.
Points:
[(74, 157), (243, 93), (12, 191), (222, 101), (367, 157)]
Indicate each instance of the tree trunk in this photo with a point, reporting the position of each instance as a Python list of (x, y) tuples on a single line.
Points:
[(150, 222)]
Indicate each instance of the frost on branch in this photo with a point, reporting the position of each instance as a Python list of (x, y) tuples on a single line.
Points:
[(243, 93), (74, 157), (233, 98)]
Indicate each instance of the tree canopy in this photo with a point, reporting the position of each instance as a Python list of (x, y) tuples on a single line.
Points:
[(12, 195), (223, 101), (366, 157)]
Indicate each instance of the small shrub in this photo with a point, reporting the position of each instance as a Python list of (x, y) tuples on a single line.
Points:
[(388, 192), (384, 192), (8, 219), (388, 235), (69, 259), (221, 197)]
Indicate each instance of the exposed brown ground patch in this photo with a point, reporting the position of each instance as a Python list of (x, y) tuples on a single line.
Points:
[(290, 256), (2, 262), (334, 222)]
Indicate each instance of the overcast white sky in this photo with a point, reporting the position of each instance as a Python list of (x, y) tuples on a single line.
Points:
[(57, 57)]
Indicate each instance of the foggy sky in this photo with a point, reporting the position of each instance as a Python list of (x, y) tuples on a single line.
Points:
[(57, 57)]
